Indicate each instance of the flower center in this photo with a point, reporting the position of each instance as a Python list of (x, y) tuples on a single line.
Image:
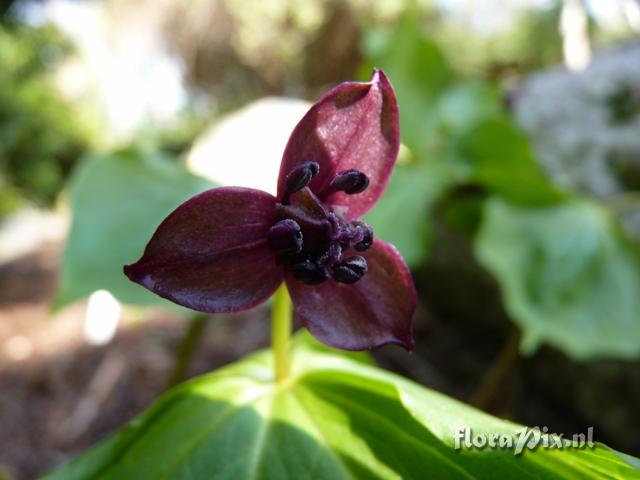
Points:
[(313, 240)]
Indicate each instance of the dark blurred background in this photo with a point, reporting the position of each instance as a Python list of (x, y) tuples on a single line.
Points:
[(516, 201)]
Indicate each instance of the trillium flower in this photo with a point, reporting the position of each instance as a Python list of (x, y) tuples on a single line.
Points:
[(228, 249)]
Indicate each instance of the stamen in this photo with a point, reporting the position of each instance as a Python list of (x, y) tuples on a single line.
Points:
[(309, 272), (300, 177), (350, 270), (334, 222), (350, 182), (367, 235), (285, 237), (345, 234), (311, 238), (332, 255)]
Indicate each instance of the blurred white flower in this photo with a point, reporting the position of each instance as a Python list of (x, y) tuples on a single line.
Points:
[(585, 126), (245, 147)]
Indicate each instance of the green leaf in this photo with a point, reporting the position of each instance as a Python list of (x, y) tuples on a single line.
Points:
[(304, 340), (335, 419), (466, 104), (418, 71), (502, 161), (568, 276), (117, 202), (402, 215), (634, 462)]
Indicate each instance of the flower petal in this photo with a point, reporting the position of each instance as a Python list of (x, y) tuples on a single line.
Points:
[(374, 311), (211, 253), (354, 126)]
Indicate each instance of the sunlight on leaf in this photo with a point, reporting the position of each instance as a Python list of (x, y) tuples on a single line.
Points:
[(336, 419)]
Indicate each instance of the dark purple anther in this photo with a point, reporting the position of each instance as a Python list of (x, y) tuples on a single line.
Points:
[(301, 176), (350, 270), (309, 272), (285, 237), (367, 236), (350, 181)]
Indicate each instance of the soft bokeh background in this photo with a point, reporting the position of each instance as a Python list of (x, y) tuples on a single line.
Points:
[(515, 201)]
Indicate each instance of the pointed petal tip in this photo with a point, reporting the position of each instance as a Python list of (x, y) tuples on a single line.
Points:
[(409, 344), (353, 126), (132, 272), (380, 80), (405, 341), (211, 253), (378, 76), (128, 270)]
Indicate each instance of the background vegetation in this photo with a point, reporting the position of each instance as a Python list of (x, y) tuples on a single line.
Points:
[(515, 202)]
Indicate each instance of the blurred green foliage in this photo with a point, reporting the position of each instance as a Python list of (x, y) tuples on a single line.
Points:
[(559, 259), (457, 132), (41, 134), (530, 42), (568, 276), (118, 201), (566, 271), (411, 190)]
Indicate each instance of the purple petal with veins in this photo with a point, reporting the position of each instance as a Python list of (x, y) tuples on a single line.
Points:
[(354, 126), (374, 311), (211, 254)]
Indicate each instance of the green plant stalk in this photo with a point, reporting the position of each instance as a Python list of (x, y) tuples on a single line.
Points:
[(498, 373), (281, 320), (186, 349)]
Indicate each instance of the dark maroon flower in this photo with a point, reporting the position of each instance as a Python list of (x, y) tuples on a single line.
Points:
[(228, 249)]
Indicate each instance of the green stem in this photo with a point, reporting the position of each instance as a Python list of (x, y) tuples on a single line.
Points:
[(186, 349), (499, 371), (281, 332)]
